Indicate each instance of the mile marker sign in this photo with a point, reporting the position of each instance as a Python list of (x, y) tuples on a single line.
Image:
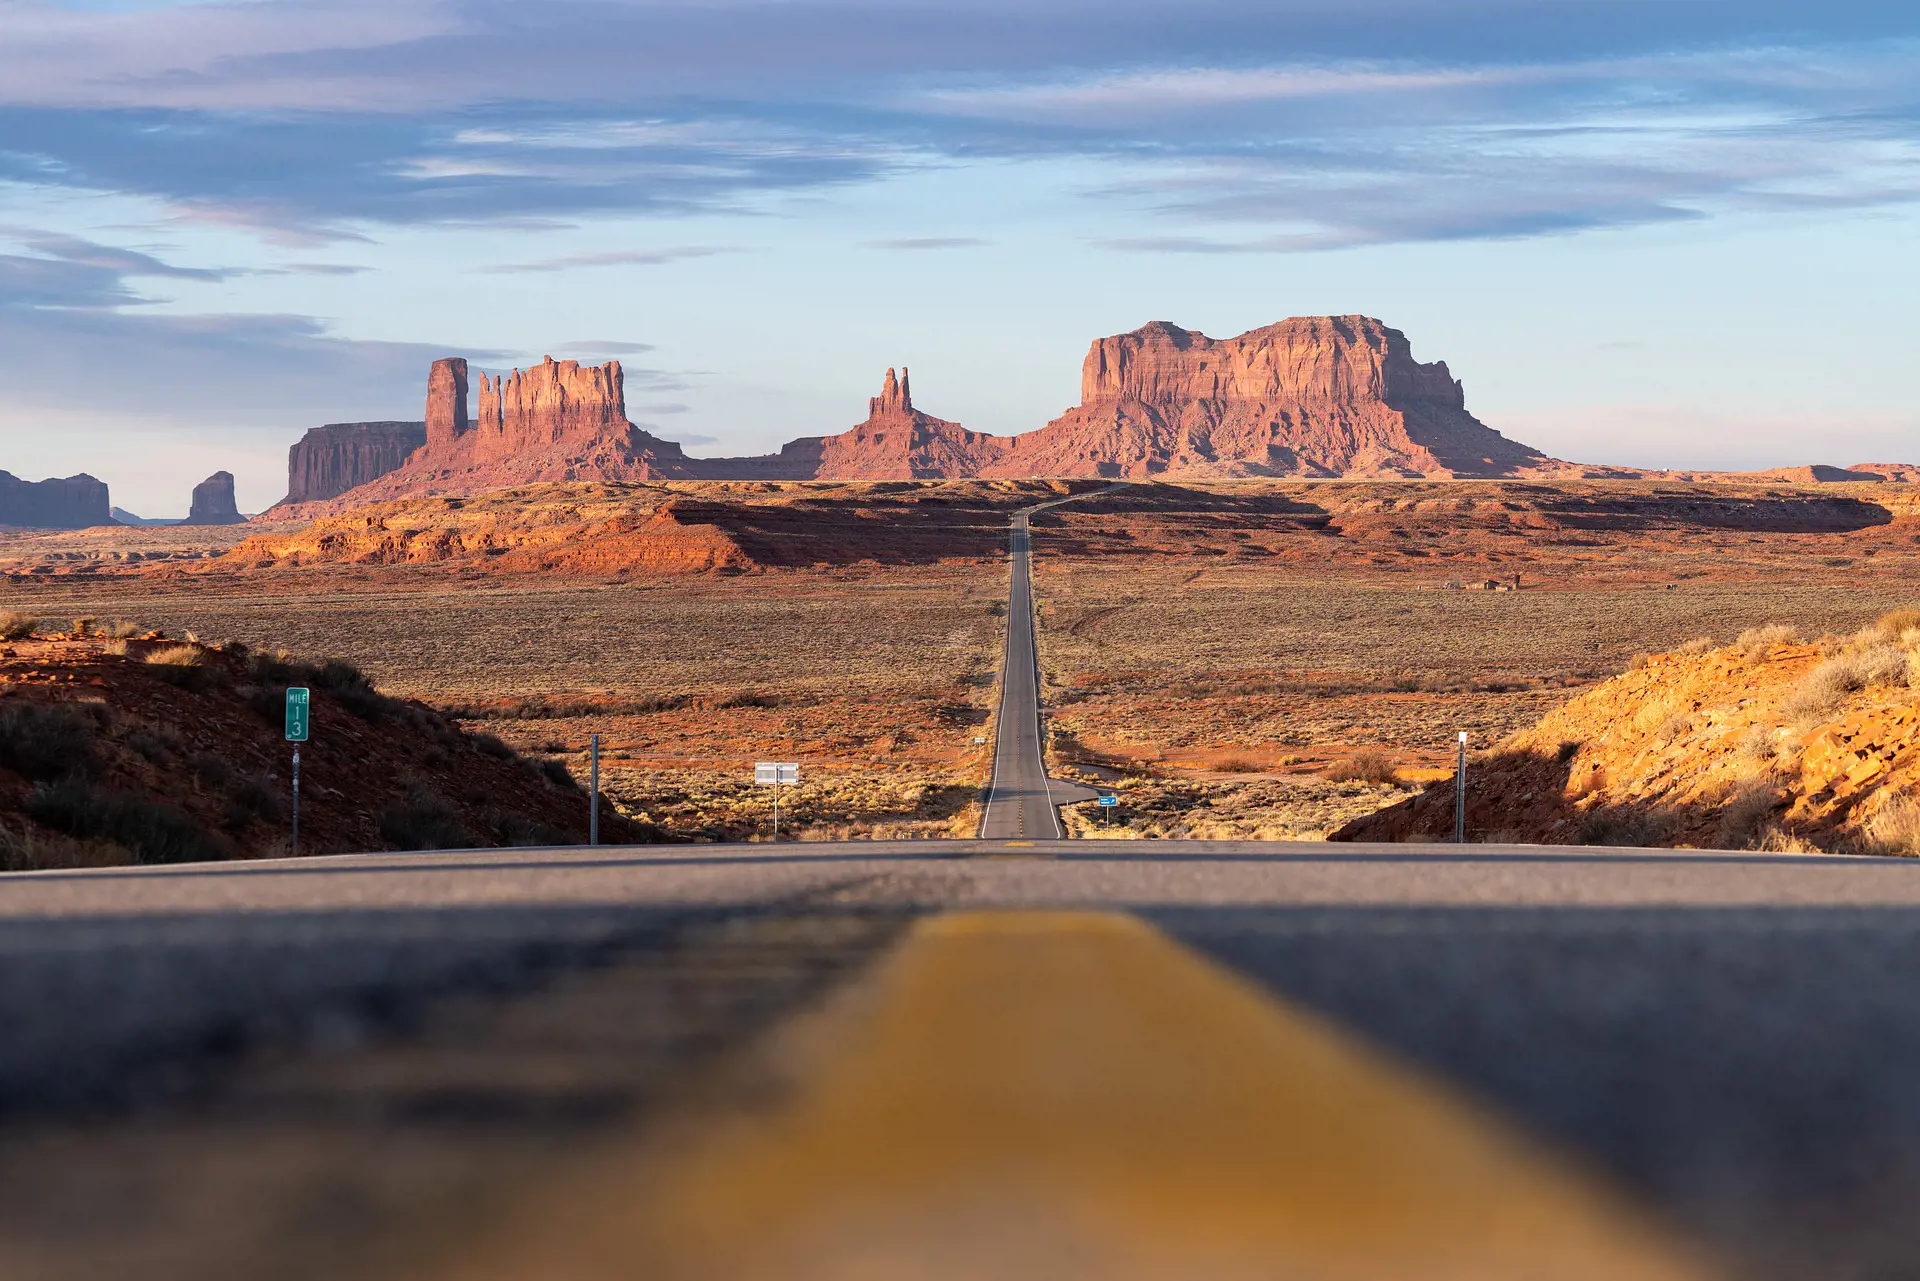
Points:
[(299, 715)]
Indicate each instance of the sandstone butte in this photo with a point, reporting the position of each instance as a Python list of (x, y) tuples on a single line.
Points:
[(213, 502), (1770, 743), (75, 502), (1317, 396), (330, 460)]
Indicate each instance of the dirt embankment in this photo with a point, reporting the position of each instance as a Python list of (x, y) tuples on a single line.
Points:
[(1773, 743), (138, 748)]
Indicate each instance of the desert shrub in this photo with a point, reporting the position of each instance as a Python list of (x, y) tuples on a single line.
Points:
[(1673, 727), (1895, 829), (211, 771), (1777, 840), (251, 796), (1638, 661), (26, 848), (1755, 744), (1750, 806), (83, 626), (1893, 626), (47, 742), (1237, 765), (1755, 642), (14, 626), (117, 648), (152, 831), (1625, 827), (1362, 767), (424, 821), (1883, 663), (492, 746), (154, 744), (1698, 645), (514, 829), (184, 666), (1824, 688), (120, 629), (276, 668), (557, 773)]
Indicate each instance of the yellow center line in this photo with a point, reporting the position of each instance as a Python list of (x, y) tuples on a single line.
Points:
[(1074, 1094)]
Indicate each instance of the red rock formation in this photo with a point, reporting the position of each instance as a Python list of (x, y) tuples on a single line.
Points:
[(213, 502), (330, 460), (1311, 396), (73, 503), (556, 421)]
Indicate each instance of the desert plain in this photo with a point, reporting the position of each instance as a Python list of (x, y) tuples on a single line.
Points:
[(1233, 658)]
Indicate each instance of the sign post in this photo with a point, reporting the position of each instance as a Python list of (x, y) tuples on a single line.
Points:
[(774, 774), (1107, 804), (1460, 794), (593, 790), (299, 724)]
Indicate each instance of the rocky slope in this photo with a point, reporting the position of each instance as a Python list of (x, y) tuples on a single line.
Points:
[(653, 528), (148, 749), (213, 502), (330, 460), (1773, 742), (75, 502)]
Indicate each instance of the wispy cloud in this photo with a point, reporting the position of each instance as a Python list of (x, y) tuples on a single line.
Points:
[(1298, 125), (929, 242), (604, 348), (610, 258)]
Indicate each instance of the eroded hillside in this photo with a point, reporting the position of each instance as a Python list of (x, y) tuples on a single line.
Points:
[(1773, 742), (119, 745)]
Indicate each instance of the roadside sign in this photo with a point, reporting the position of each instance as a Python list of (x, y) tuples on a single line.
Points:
[(1106, 801), (775, 773), (299, 715)]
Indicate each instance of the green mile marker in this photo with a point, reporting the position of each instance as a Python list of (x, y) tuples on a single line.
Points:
[(299, 721), (299, 717)]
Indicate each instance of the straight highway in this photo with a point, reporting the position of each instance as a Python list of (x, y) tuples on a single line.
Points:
[(1152, 1059), (1022, 803)]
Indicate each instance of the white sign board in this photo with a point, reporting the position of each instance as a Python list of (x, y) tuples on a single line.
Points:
[(770, 773)]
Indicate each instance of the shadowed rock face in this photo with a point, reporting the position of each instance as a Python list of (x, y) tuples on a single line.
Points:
[(73, 503), (330, 460), (213, 502)]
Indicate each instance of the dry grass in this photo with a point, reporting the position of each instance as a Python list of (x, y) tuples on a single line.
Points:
[(1238, 765), (17, 626), (1758, 642), (177, 656), (1362, 767), (1895, 829)]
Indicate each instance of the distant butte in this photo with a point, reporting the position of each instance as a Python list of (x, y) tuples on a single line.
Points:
[(1310, 397)]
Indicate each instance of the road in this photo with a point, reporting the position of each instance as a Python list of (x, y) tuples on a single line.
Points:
[(962, 1059), (1022, 802)]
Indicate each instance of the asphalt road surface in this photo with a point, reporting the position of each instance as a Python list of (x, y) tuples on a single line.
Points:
[(1022, 802), (1354, 1061)]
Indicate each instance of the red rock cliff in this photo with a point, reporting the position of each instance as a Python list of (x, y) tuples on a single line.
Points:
[(1310, 396), (330, 460), (73, 503), (213, 502), (555, 421)]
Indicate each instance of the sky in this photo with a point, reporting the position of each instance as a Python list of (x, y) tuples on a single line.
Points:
[(1654, 232)]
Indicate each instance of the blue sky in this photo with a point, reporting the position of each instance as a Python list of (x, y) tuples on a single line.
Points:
[(1665, 232)]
